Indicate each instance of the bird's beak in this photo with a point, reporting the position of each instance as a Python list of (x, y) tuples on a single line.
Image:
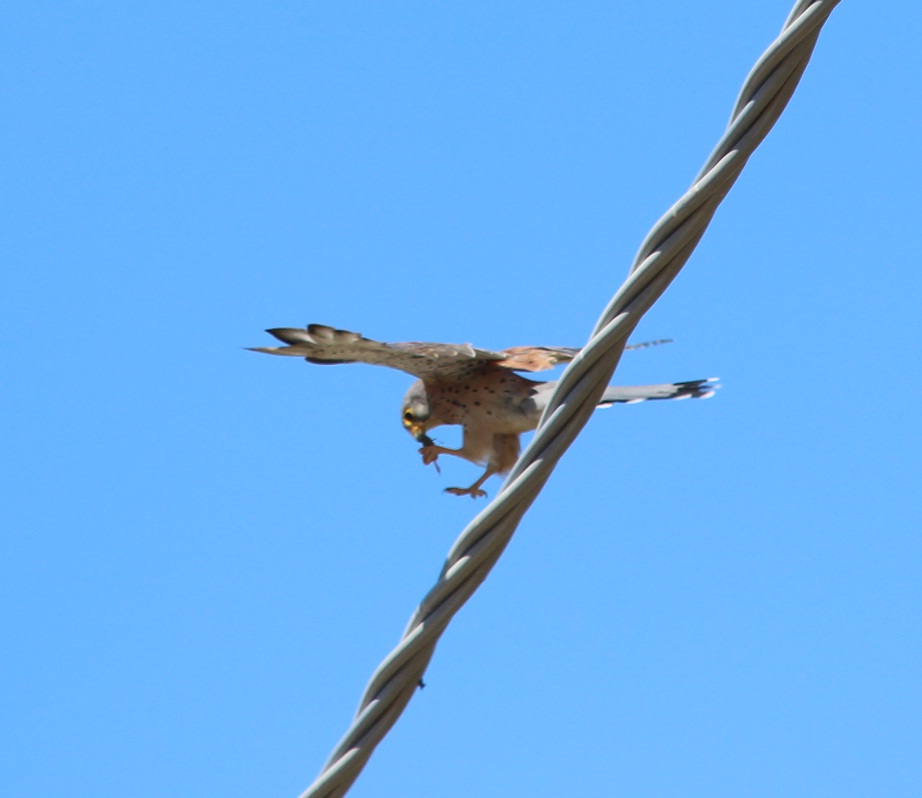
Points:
[(417, 431)]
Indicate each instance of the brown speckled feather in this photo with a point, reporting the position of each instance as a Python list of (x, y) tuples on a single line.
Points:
[(324, 345)]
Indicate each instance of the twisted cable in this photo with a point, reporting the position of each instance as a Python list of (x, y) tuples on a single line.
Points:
[(662, 254)]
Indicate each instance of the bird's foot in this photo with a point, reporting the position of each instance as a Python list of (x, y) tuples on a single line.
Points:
[(431, 453), (473, 491)]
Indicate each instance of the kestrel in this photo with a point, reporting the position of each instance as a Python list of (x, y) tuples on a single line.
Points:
[(476, 388)]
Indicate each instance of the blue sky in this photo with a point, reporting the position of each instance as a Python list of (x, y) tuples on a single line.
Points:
[(206, 552)]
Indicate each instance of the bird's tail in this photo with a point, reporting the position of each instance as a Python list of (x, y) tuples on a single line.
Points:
[(693, 389)]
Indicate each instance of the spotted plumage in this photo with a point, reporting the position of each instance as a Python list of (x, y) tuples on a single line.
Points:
[(478, 389)]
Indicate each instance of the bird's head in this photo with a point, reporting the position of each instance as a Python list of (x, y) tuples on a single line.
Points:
[(415, 412)]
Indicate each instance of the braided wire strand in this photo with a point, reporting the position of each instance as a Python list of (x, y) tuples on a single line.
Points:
[(664, 251)]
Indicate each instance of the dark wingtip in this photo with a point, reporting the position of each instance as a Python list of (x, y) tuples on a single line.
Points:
[(288, 335)]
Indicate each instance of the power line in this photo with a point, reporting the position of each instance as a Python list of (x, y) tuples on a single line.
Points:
[(662, 254)]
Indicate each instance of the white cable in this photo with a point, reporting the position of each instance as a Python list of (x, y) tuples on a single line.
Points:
[(664, 251)]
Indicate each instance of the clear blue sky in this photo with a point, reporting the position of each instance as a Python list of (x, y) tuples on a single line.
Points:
[(206, 552)]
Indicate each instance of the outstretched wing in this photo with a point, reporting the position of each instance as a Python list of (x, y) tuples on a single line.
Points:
[(536, 358), (648, 344), (318, 343), (541, 358)]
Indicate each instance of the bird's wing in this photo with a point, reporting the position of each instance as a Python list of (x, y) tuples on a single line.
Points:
[(541, 358), (318, 343), (648, 344), (536, 358)]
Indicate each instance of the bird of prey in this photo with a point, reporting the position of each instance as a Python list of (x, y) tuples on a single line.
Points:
[(459, 384)]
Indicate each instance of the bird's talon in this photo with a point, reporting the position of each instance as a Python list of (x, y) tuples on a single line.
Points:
[(430, 455), (474, 493)]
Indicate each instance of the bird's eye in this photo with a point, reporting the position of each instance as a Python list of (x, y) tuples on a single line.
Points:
[(407, 415)]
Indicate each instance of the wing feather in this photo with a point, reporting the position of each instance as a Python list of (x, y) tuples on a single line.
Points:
[(318, 343), (541, 358), (324, 345), (536, 358)]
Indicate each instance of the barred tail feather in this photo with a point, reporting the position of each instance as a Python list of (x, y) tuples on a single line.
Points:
[(693, 389)]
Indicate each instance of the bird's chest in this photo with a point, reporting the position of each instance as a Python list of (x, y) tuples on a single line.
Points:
[(496, 402)]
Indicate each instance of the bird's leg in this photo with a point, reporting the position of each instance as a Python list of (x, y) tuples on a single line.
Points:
[(474, 490), (474, 447)]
